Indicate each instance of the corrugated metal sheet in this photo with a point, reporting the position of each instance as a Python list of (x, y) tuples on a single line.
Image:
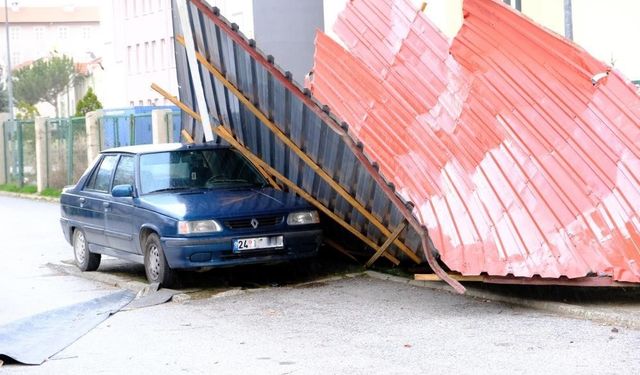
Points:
[(518, 163), (310, 126)]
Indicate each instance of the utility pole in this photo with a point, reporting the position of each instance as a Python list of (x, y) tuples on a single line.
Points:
[(9, 73), (568, 20)]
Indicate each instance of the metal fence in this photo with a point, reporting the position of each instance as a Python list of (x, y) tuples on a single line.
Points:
[(66, 150), (20, 152), (66, 144), (122, 128)]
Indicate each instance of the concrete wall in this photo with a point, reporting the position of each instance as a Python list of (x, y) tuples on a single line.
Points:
[(286, 29)]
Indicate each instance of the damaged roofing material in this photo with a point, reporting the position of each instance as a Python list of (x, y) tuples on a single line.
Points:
[(284, 131), (520, 150)]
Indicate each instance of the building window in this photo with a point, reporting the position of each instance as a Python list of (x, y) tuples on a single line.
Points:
[(129, 58), (63, 32), (138, 58), (154, 55), (39, 32), (16, 58), (140, 103), (163, 54), (14, 33), (146, 56), (131, 103), (171, 59), (86, 32)]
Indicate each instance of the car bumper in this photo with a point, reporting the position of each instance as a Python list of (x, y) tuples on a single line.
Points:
[(64, 223), (185, 253)]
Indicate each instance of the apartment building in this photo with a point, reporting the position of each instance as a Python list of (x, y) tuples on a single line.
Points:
[(36, 32)]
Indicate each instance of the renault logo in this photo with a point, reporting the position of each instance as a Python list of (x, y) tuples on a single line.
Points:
[(254, 223)]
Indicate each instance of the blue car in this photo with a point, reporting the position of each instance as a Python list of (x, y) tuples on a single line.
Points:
[(174, 207)]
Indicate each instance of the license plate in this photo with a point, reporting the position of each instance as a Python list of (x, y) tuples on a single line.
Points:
[(243, 244)]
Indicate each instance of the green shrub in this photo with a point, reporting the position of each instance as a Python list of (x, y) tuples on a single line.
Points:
[(88, 103)]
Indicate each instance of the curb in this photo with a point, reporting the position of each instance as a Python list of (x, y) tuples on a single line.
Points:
[(559, 308), (113, 280), (34, 197)]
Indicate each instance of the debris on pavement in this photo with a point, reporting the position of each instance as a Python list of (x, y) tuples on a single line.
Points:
[(32, 340)]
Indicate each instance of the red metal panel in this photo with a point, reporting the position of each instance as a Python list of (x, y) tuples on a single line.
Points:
[(518, 164)]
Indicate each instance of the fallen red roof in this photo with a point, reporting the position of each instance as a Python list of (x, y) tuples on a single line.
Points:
[(520, 150)]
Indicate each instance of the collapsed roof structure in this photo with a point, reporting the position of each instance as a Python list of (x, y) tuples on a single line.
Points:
[(508, 152)]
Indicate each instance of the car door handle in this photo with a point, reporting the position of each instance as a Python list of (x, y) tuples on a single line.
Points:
[(82, 200), (106, 205)]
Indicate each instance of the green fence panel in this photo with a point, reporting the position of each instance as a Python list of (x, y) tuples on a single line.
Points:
[(66, 150)]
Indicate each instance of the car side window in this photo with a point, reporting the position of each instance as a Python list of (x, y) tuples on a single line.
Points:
[(101, 177), (124, 172)]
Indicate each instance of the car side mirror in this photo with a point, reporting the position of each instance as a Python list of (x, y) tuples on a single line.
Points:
[(120, 191)]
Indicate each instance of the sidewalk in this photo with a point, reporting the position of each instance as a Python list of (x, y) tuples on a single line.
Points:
[(616, 307)]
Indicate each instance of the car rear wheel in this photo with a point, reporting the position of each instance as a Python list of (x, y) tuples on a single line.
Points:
[(155, 263), (85, 260)]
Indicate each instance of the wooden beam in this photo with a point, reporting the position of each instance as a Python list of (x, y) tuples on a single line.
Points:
[(175, 101), (224, 134), (387, 243), (301, 154), (434, 277), (339, 248), (187, 137)]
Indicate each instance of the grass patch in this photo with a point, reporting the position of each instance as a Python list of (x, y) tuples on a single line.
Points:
[(30, 189), (50, 192), (27, 189)]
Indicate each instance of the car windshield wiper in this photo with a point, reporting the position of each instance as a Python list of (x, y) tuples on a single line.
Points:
[(163, 190)]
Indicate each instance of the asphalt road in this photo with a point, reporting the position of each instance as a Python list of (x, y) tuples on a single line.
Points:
[(353, 325)]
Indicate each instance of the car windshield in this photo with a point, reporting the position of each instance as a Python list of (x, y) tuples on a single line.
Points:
[(196, 169)]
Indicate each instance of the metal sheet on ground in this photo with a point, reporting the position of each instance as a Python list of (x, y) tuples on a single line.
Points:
[(34, 339)]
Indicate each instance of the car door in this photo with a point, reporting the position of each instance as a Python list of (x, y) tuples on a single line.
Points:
[(120, 213), (96, 196)]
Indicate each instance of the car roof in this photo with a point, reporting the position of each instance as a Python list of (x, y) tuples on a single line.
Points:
[(163, 147)]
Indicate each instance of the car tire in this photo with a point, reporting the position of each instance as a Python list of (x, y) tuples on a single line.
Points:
[(155, 263), (85, 260)]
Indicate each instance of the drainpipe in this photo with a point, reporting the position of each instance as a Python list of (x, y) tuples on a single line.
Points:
[(568, 20)]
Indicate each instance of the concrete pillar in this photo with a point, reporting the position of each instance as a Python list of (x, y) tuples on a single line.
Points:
[(161, 126), (3, 177), (41, 153), (92, 123)]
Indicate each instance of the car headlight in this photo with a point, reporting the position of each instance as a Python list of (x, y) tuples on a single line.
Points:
[(200, 226), (303, 217)]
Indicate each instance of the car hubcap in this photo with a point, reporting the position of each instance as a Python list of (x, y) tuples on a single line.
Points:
[(154, 261), (80, 248)]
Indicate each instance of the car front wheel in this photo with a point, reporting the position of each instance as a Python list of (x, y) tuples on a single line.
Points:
[(85, 260), (155, 263)]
